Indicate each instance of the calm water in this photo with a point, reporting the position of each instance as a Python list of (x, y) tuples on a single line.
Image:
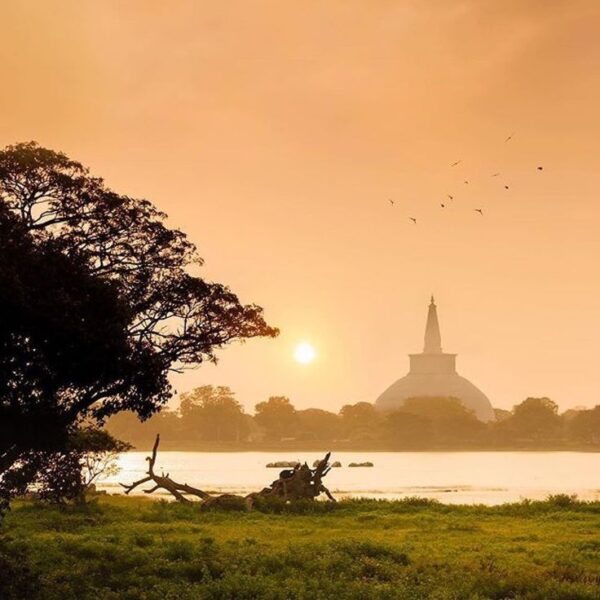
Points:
[(451, 477)]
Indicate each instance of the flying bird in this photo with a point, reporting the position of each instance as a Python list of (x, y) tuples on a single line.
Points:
[(443, 205), (495, 174), (505, 187), (509, 137), (540, 168), (456, 163), (451, 197), (466, 181), (479, 211), (413, 220), (391, 201)]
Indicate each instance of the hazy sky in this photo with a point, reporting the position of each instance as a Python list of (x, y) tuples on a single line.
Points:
[(274, 133)]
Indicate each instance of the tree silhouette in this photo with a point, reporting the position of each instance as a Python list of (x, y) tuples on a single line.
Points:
[(533, 420), (278, 417), (212, 414), (97, 305)]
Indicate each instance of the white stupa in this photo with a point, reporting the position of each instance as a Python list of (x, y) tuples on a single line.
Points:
[(433, 373)]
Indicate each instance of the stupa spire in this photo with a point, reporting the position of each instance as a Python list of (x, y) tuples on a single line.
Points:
[(433, 338)]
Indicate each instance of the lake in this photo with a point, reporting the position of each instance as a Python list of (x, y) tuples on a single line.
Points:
[(451, 477)]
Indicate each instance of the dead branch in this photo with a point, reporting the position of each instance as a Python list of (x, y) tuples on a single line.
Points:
[(164, 481), (298, 483)]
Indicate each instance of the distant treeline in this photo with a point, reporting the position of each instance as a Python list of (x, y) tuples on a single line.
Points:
[(211, 418)]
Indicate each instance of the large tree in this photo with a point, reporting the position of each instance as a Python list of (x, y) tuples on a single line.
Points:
[(212, 414), (99, 302), (535, 420), (278, 417)]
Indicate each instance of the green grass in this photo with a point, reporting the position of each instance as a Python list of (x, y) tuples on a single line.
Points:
[(139, 549)]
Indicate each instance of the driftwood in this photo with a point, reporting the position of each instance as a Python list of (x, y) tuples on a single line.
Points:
[(301, 482), (298, 483), (164, 481)]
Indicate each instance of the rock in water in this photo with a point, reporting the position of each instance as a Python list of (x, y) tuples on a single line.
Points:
[(337, 463)]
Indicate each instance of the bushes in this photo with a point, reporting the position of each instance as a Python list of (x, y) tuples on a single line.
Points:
[(562, 500)]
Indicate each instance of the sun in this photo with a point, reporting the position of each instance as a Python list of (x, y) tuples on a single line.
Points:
[(304, 353)]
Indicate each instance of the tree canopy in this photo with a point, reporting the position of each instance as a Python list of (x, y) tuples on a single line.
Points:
[(99, 303), (278, 417), (213, 413), (534, 419)]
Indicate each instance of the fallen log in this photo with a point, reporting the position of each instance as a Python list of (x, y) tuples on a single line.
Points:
[(300, 482), (178, 490)]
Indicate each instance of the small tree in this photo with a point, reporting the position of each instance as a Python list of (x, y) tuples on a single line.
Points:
[(89, 456), (99, 452)]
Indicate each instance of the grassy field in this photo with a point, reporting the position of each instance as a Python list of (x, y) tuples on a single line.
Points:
[(140, 549)]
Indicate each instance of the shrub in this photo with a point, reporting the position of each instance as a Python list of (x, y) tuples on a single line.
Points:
[(562, 500)]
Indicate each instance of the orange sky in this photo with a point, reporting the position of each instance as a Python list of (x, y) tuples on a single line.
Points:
[(274, 132)]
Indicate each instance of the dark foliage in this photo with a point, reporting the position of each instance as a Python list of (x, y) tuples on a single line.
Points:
[(60, 479), (277, 417)]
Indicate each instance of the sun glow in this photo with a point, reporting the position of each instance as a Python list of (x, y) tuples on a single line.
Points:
[(304, 353)]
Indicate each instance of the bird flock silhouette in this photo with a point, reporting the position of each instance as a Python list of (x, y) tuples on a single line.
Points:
[(451, 197)]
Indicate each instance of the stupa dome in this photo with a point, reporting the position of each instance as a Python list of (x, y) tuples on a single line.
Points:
[(433, 373)]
